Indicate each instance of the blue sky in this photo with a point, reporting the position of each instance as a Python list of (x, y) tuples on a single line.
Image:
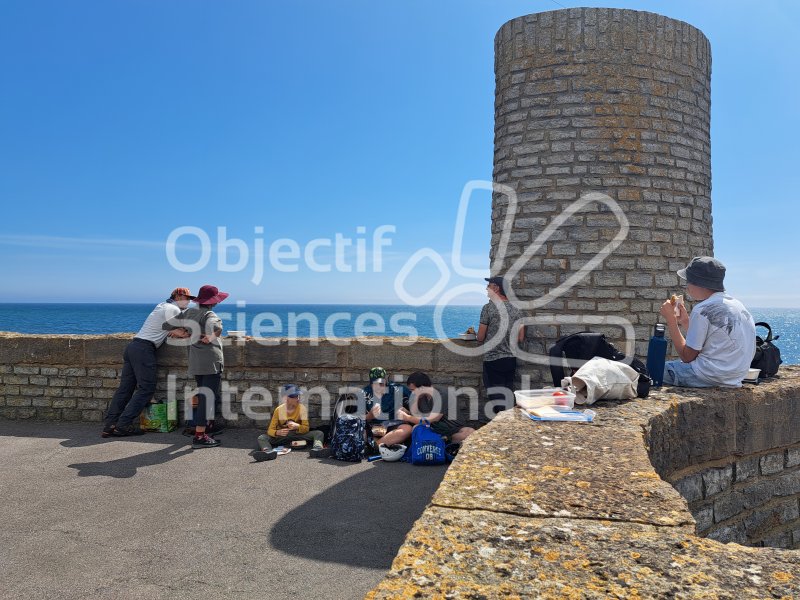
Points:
[(122, 121)]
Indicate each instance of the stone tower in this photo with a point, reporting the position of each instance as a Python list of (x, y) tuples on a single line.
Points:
[(612, 107)]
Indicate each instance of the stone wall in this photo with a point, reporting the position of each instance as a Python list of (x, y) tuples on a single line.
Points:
[(610, 101), (72, 378), (735, 458), (574, 510)]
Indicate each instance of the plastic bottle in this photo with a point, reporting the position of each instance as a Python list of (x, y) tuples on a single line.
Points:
[(656, 355)]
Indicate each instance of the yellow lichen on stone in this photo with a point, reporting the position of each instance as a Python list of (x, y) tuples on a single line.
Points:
[(551, 556), (583, 484), (782, 576)]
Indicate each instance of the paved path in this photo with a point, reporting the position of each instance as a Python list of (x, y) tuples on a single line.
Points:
[(147, 517)]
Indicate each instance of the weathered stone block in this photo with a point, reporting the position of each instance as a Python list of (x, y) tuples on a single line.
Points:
[(24, 370), (717, 480), (792, 457), (691, 487), (771, 463), (746, 468)]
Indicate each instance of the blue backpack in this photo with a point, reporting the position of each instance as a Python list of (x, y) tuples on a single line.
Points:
[(348, 439), (427, 446)]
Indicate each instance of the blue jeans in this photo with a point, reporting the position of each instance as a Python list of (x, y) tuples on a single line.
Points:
[(137, 383), (681, 374)]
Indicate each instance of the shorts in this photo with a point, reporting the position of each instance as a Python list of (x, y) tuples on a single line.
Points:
[(682, 374), (447, 427)]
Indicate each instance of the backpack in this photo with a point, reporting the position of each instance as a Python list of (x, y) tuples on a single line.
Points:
[(349, 403), (580, 347), (347, 441), (767, 356), (427, 446)]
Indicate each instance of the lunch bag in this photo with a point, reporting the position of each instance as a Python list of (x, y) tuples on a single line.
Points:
[(767, 356)]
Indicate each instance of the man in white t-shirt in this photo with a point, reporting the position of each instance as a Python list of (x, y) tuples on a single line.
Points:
[(138, 380), (720, 334)]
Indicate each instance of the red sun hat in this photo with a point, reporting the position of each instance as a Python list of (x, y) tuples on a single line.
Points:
[(210, 294)]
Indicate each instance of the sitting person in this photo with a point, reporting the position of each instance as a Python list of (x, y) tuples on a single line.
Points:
[(289, 423), (383, 401), (422, 404), (720, 334)]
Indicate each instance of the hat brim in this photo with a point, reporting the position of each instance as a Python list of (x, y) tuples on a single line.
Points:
[(682, 274), (219, 297)]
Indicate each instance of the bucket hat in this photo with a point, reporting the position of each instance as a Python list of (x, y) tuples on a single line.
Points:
[(706, 272)]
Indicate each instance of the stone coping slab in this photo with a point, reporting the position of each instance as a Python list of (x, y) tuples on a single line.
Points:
[(562, 470), (452, 553)]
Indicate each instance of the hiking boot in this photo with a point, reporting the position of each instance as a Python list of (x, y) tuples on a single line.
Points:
[(204, 441), (126, 430), (108, 431), (320, 452), (262, 455)]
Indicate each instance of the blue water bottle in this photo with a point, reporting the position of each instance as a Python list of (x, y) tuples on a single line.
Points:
[(657, 355)]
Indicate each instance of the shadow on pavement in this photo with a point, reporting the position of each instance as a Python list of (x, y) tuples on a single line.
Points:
[(80, 435), (362, 521), (128, 466)]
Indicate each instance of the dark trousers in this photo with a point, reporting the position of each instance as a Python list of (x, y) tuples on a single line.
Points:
[(137, 383), (499, 373), (210, 401)]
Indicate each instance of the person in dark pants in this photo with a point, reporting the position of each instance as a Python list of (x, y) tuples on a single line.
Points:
[(497, 320), (138, 380), (206, 360)]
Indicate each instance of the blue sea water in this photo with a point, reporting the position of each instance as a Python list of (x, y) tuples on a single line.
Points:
[(310, 320)]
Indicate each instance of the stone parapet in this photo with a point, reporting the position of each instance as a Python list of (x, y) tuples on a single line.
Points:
[(563, 510), (73, 378)]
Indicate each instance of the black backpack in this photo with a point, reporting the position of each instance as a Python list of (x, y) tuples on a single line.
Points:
[(767, 356), (578, 348)]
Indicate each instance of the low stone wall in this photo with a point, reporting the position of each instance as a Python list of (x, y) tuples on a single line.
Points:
[(573, 510), (72, 378), (734, 456)]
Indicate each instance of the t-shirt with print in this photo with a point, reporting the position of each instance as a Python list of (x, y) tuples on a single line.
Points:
[(724, 333), (490, 316)]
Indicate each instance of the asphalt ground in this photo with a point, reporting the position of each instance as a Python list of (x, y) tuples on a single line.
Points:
[(147, 517)]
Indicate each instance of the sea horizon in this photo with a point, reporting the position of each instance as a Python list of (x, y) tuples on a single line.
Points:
[(310, 320)]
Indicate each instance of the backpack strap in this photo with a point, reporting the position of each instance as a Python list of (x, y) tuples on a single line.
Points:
[(766, 326)]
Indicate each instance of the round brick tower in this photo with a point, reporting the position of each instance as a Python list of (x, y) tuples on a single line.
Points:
[(602, 153)]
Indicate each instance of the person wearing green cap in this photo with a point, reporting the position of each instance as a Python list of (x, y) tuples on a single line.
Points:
[(383, 400)]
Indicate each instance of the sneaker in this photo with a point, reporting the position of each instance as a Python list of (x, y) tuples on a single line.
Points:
[(262, 455), (204, 442), (108, 431), (320, 452), (126, 430)]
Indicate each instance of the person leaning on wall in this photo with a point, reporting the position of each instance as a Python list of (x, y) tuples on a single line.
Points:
[(139, 369)]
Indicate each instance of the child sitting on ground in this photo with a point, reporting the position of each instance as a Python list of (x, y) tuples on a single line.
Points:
[(289, 423), (422, 405)]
